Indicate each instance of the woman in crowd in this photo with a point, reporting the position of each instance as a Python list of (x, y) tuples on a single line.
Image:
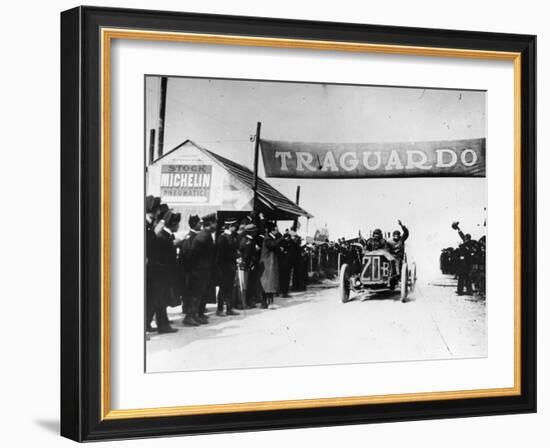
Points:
[(269, 262)]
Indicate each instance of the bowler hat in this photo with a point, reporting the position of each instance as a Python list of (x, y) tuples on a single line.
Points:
[(193, 221), (174, 219), (151, 203), (162, 210), (168, 217), (211, 217)]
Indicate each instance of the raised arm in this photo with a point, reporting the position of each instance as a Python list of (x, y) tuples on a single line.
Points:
[(454, 225), (405, 234)]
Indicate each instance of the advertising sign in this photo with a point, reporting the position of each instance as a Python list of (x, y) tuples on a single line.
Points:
[(186, 183)]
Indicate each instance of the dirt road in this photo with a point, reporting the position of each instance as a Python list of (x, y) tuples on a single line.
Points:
[(314, 327)]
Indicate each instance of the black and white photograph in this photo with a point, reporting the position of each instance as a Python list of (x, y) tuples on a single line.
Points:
[(279, 221), (296, 224)]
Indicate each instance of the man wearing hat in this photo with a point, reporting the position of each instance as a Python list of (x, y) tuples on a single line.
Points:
[(152, 205), (376, 241), (284, 264), (151, 259), (295, 253), (242, 269), (467, 254), (190, 301), (159, 218), (168, 270), (157, 256), (479, 267), (226, 266), (202, 259)]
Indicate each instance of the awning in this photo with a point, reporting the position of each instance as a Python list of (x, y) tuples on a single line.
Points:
[(274, 204)]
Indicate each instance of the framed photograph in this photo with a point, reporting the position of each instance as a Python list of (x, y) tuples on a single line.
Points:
[(272, 223)]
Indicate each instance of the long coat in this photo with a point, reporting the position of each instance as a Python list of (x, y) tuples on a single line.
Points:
[(397, 248), (167, 286), (270, 263), (226, 266), (184, 265), (226, 251), (153, 282), (202, 258)]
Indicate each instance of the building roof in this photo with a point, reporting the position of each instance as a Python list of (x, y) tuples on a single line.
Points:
[(269, 196)]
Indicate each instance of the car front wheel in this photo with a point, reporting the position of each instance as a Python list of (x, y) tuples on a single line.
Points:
[(345, 283)]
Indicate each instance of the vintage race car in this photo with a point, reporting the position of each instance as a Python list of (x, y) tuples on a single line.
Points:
[(379, 270)]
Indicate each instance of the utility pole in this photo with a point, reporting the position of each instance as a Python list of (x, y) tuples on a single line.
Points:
[(256, 158), (162, 114), (295, 225), (151, 146)]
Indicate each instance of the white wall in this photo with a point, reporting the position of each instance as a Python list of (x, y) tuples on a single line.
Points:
[(30, 279)]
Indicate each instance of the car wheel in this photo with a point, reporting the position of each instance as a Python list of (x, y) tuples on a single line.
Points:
[(413, 277), (404, 282), (345, 283)]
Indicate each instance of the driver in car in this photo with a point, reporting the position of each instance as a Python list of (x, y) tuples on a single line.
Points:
[(376, 241)]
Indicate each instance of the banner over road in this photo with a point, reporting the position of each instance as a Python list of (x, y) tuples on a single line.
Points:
[(443, 158)]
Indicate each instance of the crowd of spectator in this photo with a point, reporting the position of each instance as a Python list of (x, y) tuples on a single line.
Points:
[(466, 262), (237, 264)]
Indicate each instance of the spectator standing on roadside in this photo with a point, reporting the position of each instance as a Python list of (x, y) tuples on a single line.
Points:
[(189, 297), (226, 267), (270, 263), (202, 260)]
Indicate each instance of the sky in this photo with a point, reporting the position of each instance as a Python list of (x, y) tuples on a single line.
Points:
[(221, 115)]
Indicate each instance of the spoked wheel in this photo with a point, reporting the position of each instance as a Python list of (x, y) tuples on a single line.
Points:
[(412, 277), (345, 283), (404, 282)]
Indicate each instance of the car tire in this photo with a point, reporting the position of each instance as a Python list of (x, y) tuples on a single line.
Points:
[(344, 285), (412, 276), (404, 282)]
